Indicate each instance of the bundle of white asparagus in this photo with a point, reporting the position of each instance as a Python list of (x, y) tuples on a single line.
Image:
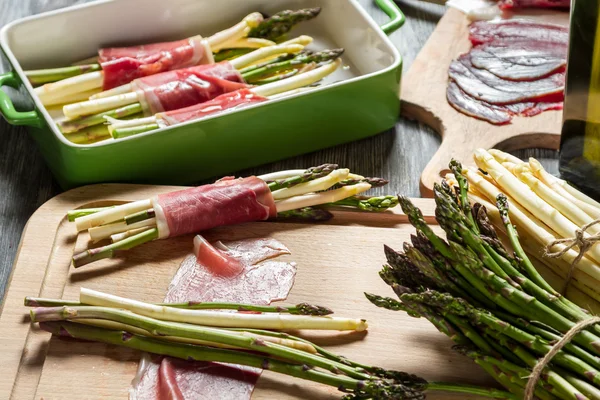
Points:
[(543, 208)]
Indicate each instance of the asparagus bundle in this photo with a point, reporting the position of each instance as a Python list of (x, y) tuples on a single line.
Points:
[(292, 193), (492, 303), (224, 103), (234, 338), (61, 84), (134, 95), (544, 209)]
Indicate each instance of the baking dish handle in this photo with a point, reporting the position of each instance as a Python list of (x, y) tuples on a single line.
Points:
[(394, 12), (7, 108)]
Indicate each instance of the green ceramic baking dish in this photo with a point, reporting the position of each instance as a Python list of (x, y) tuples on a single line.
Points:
[(359, 100)]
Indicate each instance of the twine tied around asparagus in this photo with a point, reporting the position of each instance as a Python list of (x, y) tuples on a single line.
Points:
[(536, 373), (582, 242)]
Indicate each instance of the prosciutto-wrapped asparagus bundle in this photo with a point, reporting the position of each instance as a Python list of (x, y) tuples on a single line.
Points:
[(119, 66), (189, 86), (228, 201), (224, 103)]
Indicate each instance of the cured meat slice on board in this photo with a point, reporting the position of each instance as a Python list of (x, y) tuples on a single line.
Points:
[(520, 59), (534, 3), (226, 202), (172, 90), (260, 281), (517, 29), (494, 114), (483, 85), (121, 65), (226, 102)]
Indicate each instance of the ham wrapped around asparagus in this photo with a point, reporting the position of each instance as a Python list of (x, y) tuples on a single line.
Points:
[(228, 201), (292, 194), (122, 65)]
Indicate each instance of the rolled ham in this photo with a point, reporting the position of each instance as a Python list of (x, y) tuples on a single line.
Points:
[(228, 201), (173, 90), (122, 65), (226, 102)]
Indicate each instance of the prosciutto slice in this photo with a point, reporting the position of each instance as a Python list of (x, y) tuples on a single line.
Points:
[(494, 114), (122, 65), (225, 103), (260, 281), (483, 85), (186, 87), (226, 202), (517, 29), (534, 3), (520, 59)]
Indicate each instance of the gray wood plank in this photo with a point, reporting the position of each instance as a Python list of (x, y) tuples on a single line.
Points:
[(399, 154)]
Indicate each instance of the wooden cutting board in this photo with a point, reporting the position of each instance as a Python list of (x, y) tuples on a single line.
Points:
[(424, 99), (337, 262)]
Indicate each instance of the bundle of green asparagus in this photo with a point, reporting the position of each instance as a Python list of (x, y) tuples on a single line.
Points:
[(491, 302), (543, 208), (291, 194), (194, 332)]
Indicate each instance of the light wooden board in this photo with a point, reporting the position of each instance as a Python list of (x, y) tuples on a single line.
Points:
[(337, 262), (424, 98)]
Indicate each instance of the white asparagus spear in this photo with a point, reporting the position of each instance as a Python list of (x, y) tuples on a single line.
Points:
[(221, 319), (314, 199), (117, 237), (587, 204), (111, 214), (315, 185), (102, 232)]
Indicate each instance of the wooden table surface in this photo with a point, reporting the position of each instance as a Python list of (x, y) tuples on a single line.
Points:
[(398, 155)]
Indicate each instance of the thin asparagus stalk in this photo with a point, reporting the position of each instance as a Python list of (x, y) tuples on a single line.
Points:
[(117, 237), (281, 23), (315, 185), (230, 54), (306, 214), (101, 323), (302, 59), (298, 309), (105, 231), (69, 126), (331, 196), (108, 251), (111, 214), (41, 76), (302, 177), (378, 203), (203, 317), (89, 135)]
